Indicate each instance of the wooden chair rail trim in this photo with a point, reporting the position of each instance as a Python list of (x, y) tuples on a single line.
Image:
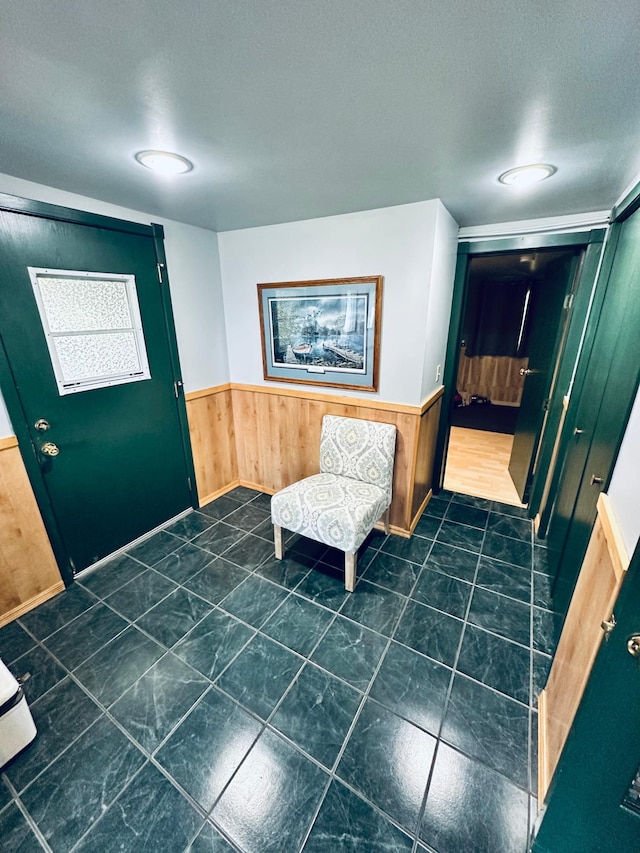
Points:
[(207, 392), (8, 442)]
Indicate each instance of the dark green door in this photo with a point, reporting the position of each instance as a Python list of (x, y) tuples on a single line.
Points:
[(544, 336), (602, 407), (592, 804), (121, 469)]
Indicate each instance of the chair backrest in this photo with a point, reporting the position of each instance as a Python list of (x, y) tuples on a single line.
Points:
[(362, 450)]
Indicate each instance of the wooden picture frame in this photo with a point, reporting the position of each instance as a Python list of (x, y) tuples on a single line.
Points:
[(322, 332)]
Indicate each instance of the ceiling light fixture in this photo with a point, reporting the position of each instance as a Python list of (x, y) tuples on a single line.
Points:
[(523, 176), (164, 162)]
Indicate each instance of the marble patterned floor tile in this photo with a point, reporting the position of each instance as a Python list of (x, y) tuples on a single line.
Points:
[(216, 580), (250, 552), (463, 801), (110, 576), (43, 670), (190, 525), (430, 632), (265, 530), (299, 624), (259, 676), (348, 824), (86, 635), (437, 506), (428, 526), (205, 750), (174, 616), (219, 537), (508, 525), (14, 642), (150, 814), (60, 716), (470, 500), (541, 668), (505, 616), (213, 643), (158, 700), (453, 561), (350, 651), (470, 515), (263, 500), (415, 549), (542, 591), (155, 548), (5, 795), (118, 665), (221, 507), (209, 840), (504, 578), (443, 592), (141, 594), (272, 799), (16, 834), (509, 509), (413, 686), (91, 773), (489, 727), (302, 546), (243, 494), (248, 516), (546, 630), (254, 600), (392, 572), (541, 560), (460, 536), (317, 712), (374, 607), (184, 563), (323, 588), (58, 611), (496, 662), (287, 572), (508, 550), (388, 760)]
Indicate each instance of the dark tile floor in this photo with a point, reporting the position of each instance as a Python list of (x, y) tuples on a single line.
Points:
[(199, 695)]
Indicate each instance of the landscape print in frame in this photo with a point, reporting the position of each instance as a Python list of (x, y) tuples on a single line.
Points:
[(322, 332)]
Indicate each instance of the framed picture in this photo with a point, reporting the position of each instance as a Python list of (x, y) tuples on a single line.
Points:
[(322, 332)]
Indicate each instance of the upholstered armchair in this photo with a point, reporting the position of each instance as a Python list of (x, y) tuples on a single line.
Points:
[(340, 505)]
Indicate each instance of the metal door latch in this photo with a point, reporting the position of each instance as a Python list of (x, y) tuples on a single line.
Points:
[(608, 626)]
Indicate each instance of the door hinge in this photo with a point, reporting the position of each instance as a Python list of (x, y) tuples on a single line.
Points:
[(160, 267), (177, 386), (568, 301)]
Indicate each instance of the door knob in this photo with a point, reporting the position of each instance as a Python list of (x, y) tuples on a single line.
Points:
[(633, 645), (524, 371), (50, 449), (42, 425)]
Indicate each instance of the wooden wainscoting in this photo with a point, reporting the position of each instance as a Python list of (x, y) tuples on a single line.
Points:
[(29, 574), (601, 576), (211, 427)]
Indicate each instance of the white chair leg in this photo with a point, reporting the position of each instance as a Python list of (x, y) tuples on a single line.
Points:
[(277, 538), (385, 520), (350, 561)]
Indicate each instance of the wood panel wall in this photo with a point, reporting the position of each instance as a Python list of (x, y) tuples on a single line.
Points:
[(29, 574), (601, 576), (267, 438), (495, 377)]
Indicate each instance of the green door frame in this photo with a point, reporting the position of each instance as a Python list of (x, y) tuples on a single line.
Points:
[(28, 207), (466, 251)]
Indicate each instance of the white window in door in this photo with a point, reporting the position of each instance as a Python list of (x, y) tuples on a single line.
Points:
[(93, 328)]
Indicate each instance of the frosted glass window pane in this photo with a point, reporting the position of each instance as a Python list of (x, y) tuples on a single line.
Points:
[(84, 305), (97, 356)]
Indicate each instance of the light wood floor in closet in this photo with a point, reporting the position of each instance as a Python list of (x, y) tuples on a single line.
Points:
[(477, 464)]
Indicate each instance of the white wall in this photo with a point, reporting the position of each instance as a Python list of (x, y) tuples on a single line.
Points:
[(623, 490), (395, 242), (440, 295), (194, 273)]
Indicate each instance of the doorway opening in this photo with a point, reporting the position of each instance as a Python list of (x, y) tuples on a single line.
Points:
[(514, 317)]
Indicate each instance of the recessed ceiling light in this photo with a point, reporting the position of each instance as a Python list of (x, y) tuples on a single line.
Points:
[(522, 176), (164, 162)]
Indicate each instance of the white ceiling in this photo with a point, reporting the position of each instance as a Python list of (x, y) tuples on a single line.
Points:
[(292, 109)]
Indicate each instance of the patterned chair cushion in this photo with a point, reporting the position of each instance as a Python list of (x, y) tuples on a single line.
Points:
[(339, 511), (362, 450)]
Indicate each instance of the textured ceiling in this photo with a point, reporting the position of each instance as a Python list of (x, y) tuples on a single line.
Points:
[(292, 109)]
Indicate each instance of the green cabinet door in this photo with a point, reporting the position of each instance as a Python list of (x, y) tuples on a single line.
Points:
[(121, 468)]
